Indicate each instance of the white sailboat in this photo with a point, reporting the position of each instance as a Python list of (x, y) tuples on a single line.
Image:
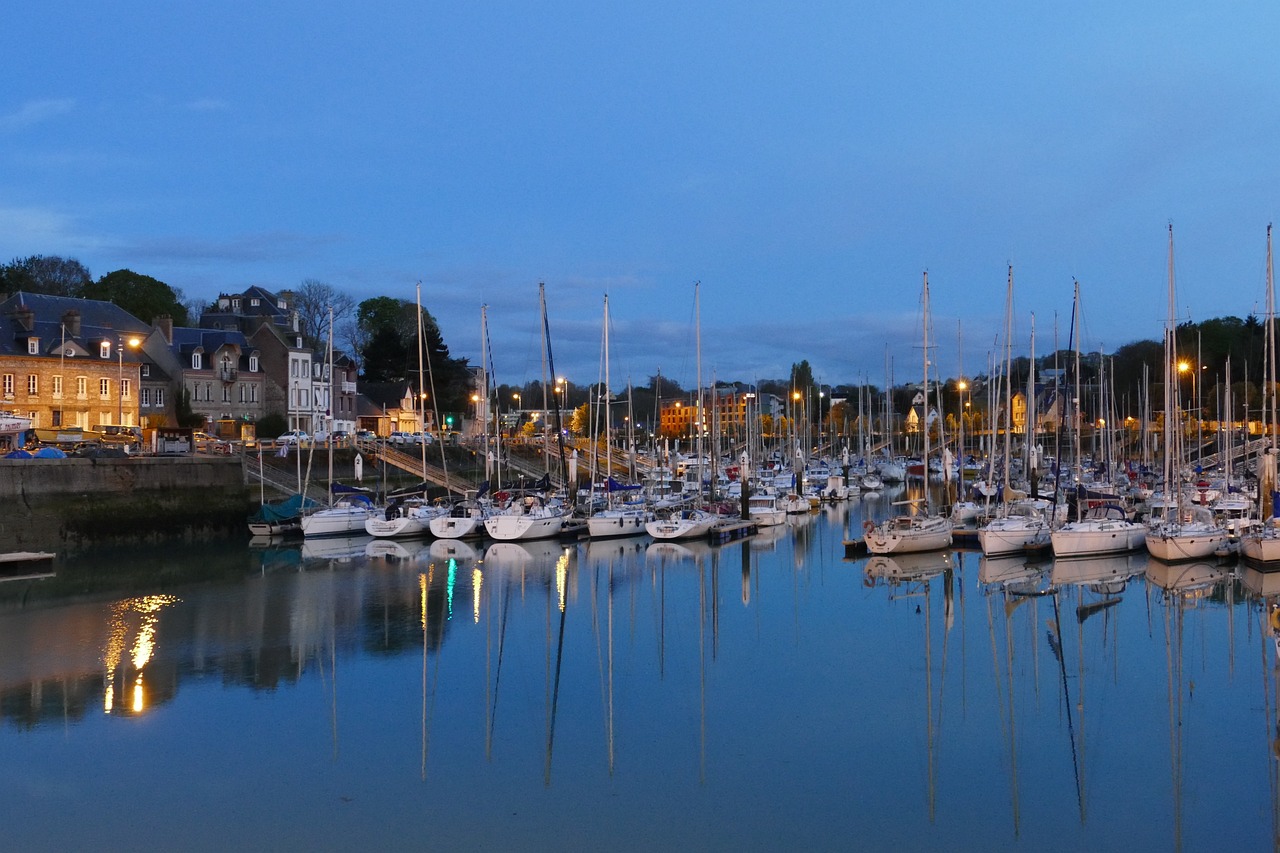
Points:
[(617, 518), (346, 515), (1189, 533), (1261, 545), (917, 531), (688, 522), (1105, 528)]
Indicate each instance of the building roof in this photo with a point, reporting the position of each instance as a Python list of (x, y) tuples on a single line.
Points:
[(99, 321)]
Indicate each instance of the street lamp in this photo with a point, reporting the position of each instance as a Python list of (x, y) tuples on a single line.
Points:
[(120, 344)]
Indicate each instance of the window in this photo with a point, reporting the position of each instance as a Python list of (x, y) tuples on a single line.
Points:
[(208, 391), (235, 304), (197, 359), (160, 398), (104, 349), (255, 301), (82, 387), (8, 385), (145, 400), (33, 346), (124, 389), (104, 388), (146, 370), (57, 387), (57, 418), (226, 393), (253, 364), (33, 384)]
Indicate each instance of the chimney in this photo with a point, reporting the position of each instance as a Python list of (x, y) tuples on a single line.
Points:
[(165, 324), (26, 317), (71, 323)]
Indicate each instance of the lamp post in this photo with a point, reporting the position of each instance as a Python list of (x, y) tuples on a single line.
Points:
[(120, 344)]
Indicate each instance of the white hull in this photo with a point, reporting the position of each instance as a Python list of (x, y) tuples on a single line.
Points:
[(687, 525), (335, 521), (1261, 548), (627, 522), (516, 528), (401, 527), (1013, 535), (1172, 543), (456, 527), (909, 534), (1087, 538)]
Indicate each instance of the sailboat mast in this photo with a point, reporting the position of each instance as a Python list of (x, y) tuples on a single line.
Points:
[(697, 322), (924, 415), (551, 365), (1008, 379)]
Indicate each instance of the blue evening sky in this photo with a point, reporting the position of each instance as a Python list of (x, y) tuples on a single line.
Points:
[(805, 161)]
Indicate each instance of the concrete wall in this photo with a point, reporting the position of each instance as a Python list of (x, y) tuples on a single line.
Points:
[(69, 504)]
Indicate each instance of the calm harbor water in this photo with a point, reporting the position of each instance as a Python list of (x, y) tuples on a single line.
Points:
[(765, 694)]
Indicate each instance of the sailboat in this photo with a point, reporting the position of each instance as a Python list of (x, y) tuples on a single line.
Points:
[(344, 516), (1106, 527), (688, 522), (916, 531), (1023, 523), (618, 517), (1261, 545), (409, 513), (533, 515), (1190, 533), (465, 518)]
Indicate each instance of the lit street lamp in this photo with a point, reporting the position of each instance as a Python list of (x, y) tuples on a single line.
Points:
[(120, 344)]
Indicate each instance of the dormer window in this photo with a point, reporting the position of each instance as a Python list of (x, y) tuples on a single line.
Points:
[(255, 301), (33, 346), (197, 361), (146, 369), (281, 304), (104, 349), (253, 364), (235, 304)]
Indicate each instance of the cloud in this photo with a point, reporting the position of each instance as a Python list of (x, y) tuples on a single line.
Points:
[(32, 230), (266, 246), (33, 112)]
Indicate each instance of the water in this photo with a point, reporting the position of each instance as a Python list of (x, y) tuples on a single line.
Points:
[(760, 695)]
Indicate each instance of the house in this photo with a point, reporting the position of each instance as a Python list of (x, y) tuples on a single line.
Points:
[(220, 372), (67, 362)]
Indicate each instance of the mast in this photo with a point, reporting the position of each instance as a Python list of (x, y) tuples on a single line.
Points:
[(1267, 470), (924, 418), (697, 322), (551, 365), (1171, 407), (1008, 380)]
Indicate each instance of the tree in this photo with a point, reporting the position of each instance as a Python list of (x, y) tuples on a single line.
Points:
[(50, 274), (141, 295), (312, 300), (391, 352)]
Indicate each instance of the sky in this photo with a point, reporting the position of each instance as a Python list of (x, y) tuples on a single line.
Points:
[(805, 163)]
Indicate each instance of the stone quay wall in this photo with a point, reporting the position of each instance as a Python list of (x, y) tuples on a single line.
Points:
[(70, 504)]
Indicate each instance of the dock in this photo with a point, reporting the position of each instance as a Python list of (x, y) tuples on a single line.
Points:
[(729, 531)]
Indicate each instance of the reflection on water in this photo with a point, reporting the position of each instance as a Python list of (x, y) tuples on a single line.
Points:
[(603, 694)]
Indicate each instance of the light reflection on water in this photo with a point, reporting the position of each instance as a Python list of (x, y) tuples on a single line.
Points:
[(762, 694)]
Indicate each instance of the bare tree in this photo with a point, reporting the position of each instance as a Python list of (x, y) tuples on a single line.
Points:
[(312, 300)]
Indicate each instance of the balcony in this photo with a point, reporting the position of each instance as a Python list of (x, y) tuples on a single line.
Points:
[(227, 374), (348, 387)]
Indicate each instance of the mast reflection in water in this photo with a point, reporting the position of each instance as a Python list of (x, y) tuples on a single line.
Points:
[(763, 694)]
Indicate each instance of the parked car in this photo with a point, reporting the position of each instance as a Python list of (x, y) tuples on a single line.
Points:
[(293, 436), (399, 437), (205, 443), (341, 437), (366, 435)]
